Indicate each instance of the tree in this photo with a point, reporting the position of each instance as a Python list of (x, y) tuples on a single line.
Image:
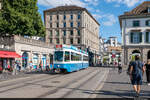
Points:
[(21, 17)]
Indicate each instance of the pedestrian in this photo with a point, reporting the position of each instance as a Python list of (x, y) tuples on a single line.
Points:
[(119, 68), (40, 66), (148, 71), (47, 66), (30, 66), (136, 74), (15, 64)]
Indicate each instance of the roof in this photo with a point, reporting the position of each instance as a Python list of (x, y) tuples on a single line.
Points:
[(137, 12), (141, 9), (69, 8)]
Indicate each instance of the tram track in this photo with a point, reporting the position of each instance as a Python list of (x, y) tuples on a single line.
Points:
[(66, 85), (79, 86), (26, 82)]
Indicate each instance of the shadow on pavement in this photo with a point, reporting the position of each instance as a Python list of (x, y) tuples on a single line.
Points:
[(118, 82)]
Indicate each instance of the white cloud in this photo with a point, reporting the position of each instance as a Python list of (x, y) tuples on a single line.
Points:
[(54, 3), (98, 11), (129, 3), (92, 2), (111, 19), (97, 16)]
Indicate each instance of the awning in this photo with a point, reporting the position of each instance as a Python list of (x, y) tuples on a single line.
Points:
[(9, 54)]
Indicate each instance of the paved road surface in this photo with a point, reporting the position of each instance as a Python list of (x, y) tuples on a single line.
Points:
[(118, 86), (77, 84)]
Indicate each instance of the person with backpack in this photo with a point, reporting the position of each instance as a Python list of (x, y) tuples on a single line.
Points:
[(136, 74)]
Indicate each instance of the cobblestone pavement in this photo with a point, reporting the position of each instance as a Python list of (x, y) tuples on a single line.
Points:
[(118, 86), (78, 84)]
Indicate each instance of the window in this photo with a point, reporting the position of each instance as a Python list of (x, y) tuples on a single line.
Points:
[(136, 23), (67, 56), (64, 32), (78, 40), (51, 25), (85, 58), (79, 16), (51, 34), (71, 32), (57, 41), (71, 16), (57, 33), (75, 57), (57, 24), (136, 37), (51, 41), (64, 17), (78, 24), (147, 37), (71, 24), (57, 17), (58, 56), (147, 23), (64, 41), (148, 9), (64, 24), (50, 17), (71, 41), (78, 32)]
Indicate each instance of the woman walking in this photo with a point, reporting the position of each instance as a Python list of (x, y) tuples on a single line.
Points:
[(148, 71)]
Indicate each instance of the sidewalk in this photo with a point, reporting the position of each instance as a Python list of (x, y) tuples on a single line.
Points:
[(118, 86)]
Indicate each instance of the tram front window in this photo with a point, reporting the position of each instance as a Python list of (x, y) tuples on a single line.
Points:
[(58, 56)]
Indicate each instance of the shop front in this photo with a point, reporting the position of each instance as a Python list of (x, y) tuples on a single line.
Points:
[(44, 61), (7, 58)]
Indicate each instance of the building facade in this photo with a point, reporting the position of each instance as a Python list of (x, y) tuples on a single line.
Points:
[(30, 50), (135, 27), (101, 48), (112, 51), (72, 25)]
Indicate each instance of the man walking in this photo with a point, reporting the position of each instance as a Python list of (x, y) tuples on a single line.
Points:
[(136, 74)]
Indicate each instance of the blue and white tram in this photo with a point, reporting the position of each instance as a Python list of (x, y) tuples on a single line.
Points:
[(69, 58)]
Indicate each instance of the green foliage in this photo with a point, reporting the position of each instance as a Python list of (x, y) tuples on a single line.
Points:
[(21, 17)]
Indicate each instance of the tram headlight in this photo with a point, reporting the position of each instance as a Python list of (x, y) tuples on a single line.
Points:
[(58, 66)]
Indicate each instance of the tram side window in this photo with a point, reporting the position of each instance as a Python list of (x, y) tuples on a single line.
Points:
[(67, 56), (85, 58), (75, 57)]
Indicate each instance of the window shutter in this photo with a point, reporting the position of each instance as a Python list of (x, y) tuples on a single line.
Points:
[(140, 36), (131, 38), (147, 37)]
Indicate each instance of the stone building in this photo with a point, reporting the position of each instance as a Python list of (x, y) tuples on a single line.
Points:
[(101, 48), (135, 27), (72, 25), (29, 50), (112, 51)]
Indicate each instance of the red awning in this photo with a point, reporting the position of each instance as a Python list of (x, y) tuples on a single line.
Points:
[(9, 54)]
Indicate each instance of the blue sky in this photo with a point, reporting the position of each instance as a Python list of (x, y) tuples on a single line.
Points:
[(106, 12)]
